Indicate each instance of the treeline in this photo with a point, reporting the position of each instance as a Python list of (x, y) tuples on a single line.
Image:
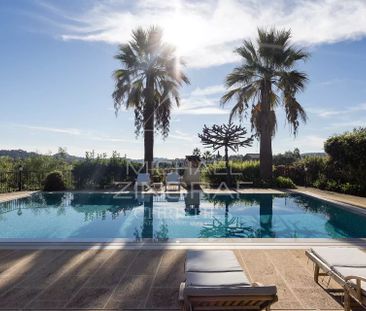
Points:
[(94, 172), (342, 170)]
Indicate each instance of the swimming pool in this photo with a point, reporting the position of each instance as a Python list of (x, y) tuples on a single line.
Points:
[(73, 215)]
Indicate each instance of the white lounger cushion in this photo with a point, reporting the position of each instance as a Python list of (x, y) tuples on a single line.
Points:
[(218, 273), (216, 279), (212, 261), (143, 178), (172, 177), (341, 256), (352, 271)]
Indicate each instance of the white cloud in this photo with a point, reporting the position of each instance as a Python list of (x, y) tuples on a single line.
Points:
[(179, 135), (68, 131), (210, 90), (207, 31), (198, 102), (84, 134), (326, 113)]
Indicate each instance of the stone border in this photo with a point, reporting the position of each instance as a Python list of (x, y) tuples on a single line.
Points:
[(240, 243), (10, 196)]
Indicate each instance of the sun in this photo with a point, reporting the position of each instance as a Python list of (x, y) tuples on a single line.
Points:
[(183, 32)]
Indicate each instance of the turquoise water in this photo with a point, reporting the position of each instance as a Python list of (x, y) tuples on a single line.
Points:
[(195, 215)]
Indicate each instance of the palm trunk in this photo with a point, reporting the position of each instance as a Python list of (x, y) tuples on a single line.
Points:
[(227, 167), (265, 146), (149, 128), (265, 156)]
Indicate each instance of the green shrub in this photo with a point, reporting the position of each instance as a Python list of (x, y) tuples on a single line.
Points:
[(54, 182), (352, 189), (215, 173), (157, 175), (320, 183), (305, 171), (99, 171), (286, 158), (284, 182), (347, 154), (342, 170)]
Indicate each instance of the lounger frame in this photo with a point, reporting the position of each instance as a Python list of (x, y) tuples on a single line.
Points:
[(226, 302), (351, 290)]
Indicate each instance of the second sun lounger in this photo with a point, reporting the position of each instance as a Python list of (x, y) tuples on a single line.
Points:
[(347, 266), (143, 181), (172, 180), (216, 281)]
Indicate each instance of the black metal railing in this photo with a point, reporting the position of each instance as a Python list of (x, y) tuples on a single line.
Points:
[(23, 180)]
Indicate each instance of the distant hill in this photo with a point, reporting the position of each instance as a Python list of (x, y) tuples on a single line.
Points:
[(314, 154), (22, 154), (17, 154)]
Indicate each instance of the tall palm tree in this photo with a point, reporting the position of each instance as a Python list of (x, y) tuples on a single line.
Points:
[(149, 83), (265, 80)]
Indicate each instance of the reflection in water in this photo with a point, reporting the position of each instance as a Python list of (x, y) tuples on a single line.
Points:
[(163, 233), (229, 227), (147, 227), (265, 216), (192, 200), (159, 217), (339, 221), (172, 197)]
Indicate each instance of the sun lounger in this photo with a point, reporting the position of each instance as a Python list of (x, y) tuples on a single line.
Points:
[(216, 281), (347, 266), (172, 180), (143, 181)]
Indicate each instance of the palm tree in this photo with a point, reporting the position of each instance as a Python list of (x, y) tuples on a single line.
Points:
[(149, 83), (265, 80)]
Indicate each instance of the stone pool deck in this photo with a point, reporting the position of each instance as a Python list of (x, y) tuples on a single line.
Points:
[(14, 195), (144, 279), (334, 196)]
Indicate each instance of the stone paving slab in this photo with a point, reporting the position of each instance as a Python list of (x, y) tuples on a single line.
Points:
[(144, 279), (334, 196), (15, 195)]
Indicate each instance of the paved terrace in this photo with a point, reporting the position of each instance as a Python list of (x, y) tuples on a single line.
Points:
[(143, 279), (14, 195)]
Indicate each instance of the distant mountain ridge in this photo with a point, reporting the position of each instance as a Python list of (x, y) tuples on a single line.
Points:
[(22, 154), (314, 154)]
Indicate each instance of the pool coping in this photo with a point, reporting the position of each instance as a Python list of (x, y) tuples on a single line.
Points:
[(193, 243)]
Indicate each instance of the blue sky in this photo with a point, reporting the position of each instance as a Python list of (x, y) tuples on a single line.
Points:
[(57, 59)]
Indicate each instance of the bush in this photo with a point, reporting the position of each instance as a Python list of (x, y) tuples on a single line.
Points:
[(347, 154), (284, 182), (215, 173), (305, 171), (286, 158), (98, 172), (157, 175), (54, 182)]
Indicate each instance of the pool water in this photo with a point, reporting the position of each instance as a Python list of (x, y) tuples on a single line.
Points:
[(73, 215)]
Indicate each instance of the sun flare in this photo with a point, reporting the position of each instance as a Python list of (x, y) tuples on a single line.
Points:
[(183, 32)]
